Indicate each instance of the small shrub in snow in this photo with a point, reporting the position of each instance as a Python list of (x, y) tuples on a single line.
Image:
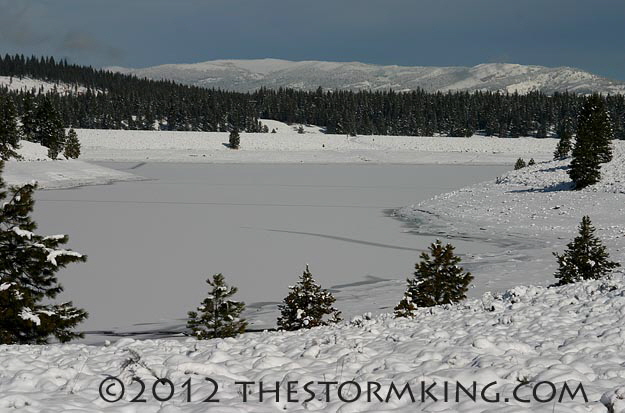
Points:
[(72, 145), (217, 316), (520, 163), (531, 162), (28, 263), (585, 258), (235, 139), (301, 130), (593, 143), (9, 130), (437, 280), (307, 306)]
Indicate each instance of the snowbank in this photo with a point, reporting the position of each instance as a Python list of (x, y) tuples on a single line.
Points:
[(527, 214), (288, 146), (572, 334), (54, 174)]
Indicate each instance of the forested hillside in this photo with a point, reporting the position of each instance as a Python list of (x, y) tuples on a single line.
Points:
[(117, 101)]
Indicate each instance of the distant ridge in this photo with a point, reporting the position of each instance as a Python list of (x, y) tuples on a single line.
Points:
[(249, 75)]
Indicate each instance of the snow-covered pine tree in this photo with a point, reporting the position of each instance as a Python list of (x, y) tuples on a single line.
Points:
[(563, 148), (235, 139), (307, 305), (593, 145), (72, 145), (437, 280), (531, 162), (28, 263), (585, 258), (520, 163), (9, 130), (217, 316)]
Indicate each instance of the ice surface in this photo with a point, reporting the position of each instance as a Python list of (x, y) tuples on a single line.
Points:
[(152, 244)]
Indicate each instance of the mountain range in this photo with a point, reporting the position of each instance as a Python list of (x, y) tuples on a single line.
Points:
[(249, 75)]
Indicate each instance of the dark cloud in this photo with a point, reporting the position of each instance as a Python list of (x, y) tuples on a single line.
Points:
[(77, 42), (580, 33), (16, 23)]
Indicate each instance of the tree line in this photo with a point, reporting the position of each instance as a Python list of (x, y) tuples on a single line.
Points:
[(118, 101)]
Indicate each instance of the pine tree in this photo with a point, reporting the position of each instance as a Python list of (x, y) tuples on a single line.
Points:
[(531, 162), (217, 316), (520, 163), (437, 280), (307, 305), (594, 122), (49, 130), (72, 145), (585, 258), (593, 143), (235, 139), (564, 145), (28, 118), (9, 130), (28, 263)]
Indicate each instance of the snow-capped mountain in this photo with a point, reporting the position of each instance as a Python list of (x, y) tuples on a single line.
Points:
[(248, 75)]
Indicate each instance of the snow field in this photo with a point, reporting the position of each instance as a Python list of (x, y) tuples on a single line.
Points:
[(287, 146), (571, 334), (27, 84)]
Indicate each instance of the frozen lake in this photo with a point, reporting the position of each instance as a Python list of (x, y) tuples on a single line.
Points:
[(151, 244)]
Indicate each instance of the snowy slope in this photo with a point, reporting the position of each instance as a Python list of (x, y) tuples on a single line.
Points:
[(248, 75), (27, 84), (572, 334), (527, 214)]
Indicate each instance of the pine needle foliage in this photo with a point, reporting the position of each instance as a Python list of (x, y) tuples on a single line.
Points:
[(218, 316), (307, 305), (28, 284), (593, 144), (585, 258), (438, 279)]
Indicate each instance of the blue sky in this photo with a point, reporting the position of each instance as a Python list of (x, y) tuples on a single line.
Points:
[(589, 34)]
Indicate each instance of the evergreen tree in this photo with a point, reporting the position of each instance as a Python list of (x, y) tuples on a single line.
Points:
[(531, 162), (585, 258), (235, 139), (217, 316), (72, 145), (520, 163), (28, 118), (437, 280), (595, 124), (28, 263), (9, 130), (564, 145), (593, 143), (307, 305), (49, 130)]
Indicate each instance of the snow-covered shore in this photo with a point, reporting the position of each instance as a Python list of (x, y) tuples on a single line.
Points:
[(36, 166), (529, 213), (288, 146), (525, 336)]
